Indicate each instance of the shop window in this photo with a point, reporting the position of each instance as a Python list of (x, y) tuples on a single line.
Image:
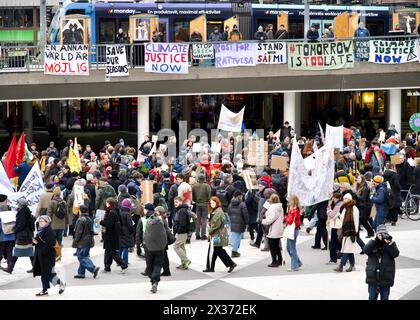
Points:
[(74, 115), (39, 114), (107, 31), (103, 114), (89, 112), (182, 31)]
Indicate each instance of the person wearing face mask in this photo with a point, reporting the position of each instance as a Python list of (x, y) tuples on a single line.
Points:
[(44, 257)]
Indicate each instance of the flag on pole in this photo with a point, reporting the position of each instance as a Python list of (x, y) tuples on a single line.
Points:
[(20, 149), (29, 156), (74, 160), (5, 185), (10, 160)]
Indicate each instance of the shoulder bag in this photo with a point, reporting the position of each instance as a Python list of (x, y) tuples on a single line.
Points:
[(289, 231)]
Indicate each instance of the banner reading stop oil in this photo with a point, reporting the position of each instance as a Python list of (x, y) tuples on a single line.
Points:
[(320, 56)]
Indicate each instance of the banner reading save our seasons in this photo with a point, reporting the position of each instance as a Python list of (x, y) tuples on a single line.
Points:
[(235, 54), (116, 61), (271, 53), (393, 52), (166, 58), (66, 60), (320, 56)]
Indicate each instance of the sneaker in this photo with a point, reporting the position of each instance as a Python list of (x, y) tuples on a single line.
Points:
[(123, 269), (208, 270), (6, 270), (197, 238), (62, 287), (332, 262), (57, 259), (351, 268), (325, 248), (95, 273), (79, 276), (154, 288), (204, 238), (265, 249), (292, 270), (187, 264), (315, 247), (233, 266), (42, 293), (144, 274)]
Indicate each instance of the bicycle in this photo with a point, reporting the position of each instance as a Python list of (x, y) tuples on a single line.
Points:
[(411, 205)]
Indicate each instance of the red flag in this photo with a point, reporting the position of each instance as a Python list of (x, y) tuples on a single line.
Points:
[(10, 159), (20, 149)]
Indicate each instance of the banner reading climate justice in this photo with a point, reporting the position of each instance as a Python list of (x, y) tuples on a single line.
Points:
[(393, 52), (66, 60), (271, 53), (235, 54), (320, 56), (166, 58)]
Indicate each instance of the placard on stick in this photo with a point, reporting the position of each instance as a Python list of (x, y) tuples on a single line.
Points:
[(279, 163), (397, 159), (147, 192)]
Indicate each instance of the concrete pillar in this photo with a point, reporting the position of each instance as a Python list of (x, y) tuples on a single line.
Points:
[(187, 110), (142, 119), (123, 113), (27, 120), (292, 110), (268, 110), (394, 109), (165, 111)]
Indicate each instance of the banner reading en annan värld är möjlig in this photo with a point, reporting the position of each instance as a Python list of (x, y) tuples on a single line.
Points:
[(320, 55)]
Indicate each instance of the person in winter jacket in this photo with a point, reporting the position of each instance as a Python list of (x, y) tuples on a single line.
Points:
[(166, 270), (112, 236), (274, 219), (114, 181), (7, 241), (141, 227), (293, 215), (321, 226), (380, 266), (104, 192), (22, 170), (260, 35), (335, 223), (218, 237), (44, 200), (376, 157), (122, 194), (215, 35), (201, 193), (83, 241), (312, 34), (391, 176), (180, 228), (44, 257), (349, 214), (238, 216), (379, 198), (57, 223), (127, 229), (364, 204), (251, 202)]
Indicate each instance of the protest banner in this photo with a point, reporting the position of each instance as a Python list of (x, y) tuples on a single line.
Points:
[(146, 192), (361, 50), (166, 58), (397, 159), (5, 185), (271, 53), (203, 51), (116, 61), (99, 216), (320, 56), (196, 147), (230, 121), (250, 179), (279, 163), (393, 52), (235, 54), (258, 153), (334, 137), (78, 196), (66, 60)]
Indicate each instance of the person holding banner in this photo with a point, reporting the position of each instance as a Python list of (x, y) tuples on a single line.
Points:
[(235, 34)]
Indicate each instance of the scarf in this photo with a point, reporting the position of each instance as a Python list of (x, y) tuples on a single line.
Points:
[(349, 229)]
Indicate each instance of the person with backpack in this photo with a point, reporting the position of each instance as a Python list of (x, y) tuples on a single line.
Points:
[(394, 204), (181, 229), (112, 236), (127, 229), (379, 197), (201, 193), (7, 237), (44, 257), (251, 202), (83, 241), (238, 216), (171, 239), (218, 237), (57, 211)]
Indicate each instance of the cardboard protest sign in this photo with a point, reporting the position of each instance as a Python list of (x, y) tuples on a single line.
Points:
[(196, 147), (66, 60), (78, 196), (235, 54), (361, 50), (397, 159), (381, 136), (230, 121), (258, 153), (393, 52), (7, 216), (155, 138), (334, 136), (116, 61), (146, 192), (279, 163), (203, 51), (249, 181), (166, 58), (320, 56), (271, 53)]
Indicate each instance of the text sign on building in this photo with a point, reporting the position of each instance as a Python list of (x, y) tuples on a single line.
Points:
[(66, 60), (203, 51), (235, 54), (116, 61), (320, 56), (166, 58), (393, 52), (271, 53)]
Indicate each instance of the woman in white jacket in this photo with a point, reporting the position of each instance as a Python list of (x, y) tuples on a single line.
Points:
[(349, 246), (335, 223), (274, 219)]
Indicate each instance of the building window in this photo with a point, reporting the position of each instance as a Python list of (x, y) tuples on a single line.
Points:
[(16, 18)]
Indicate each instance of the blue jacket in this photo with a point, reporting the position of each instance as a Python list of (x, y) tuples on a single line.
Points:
[(22, 170), (6, 237), (379, 199), (361, 33)]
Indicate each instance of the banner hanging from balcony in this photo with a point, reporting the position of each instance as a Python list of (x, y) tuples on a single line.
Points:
[(235, 54), (361, 50), (393, 52), (166, 58), (72, 59), (271, 53), (320, 56), (116, 61), (203, 51)]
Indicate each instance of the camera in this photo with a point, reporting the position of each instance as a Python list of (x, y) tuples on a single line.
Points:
[(387, 237)]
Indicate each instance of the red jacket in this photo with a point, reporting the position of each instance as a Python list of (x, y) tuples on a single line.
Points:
[(293, 213), (369, 154)]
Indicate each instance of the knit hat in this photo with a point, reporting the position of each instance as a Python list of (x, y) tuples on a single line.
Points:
[(237, 193), (126, 203), (22, 202), (348, 196), (57, 191), (149, 207), (122, 189), (46, 218), (3, 197), (378, 179), (381, 229), (132, 190), (368, 176), (201, 178)]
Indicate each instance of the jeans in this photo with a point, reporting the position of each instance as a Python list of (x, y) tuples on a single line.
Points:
[(379, 219), (335, 245), (59, 235), (235, 240), (347, 256), (275, 250), (84, 261), (291, 249), (201, 223), (124, 254), (375, 289)]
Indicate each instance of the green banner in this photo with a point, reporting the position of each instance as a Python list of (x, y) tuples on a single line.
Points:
[(320, 55)]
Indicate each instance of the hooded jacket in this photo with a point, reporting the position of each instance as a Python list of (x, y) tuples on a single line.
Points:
[(201, 193), (181, 220), (238, 215), (155, 236), (379, 199)]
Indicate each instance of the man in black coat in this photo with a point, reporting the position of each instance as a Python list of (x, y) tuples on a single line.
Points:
[(321, 227), (380, 268), (391, 176), (312, 34)]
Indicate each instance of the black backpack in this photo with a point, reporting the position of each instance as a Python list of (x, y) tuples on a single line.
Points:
[(61, 210), (390, 199)]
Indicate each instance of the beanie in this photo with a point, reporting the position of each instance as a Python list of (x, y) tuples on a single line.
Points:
[(381, 229), (378, 179), (122, 189), (149, 207), (126, 203)]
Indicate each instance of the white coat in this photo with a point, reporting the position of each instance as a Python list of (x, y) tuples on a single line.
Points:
[(274, 219), (347, 245)]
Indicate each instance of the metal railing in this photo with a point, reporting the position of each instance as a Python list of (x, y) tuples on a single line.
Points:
[(28, 58)]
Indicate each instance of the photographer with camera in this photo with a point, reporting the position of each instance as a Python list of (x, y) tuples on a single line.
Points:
[(380, 267)]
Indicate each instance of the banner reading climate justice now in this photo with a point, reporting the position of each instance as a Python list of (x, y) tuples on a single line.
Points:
[(393, 52), (320, 56), (166, 58)]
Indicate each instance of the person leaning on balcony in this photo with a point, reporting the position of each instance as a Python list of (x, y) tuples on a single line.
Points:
[(260, 34), (361, 31), (312, 34), (282, 33), (235, 34)]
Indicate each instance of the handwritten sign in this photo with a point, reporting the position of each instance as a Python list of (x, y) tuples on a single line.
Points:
[(361, 50), (392, 52), (116, 61), (235, 54), (66, 60), (166, 58), (203, 51), (271, 53), (320, 56)]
